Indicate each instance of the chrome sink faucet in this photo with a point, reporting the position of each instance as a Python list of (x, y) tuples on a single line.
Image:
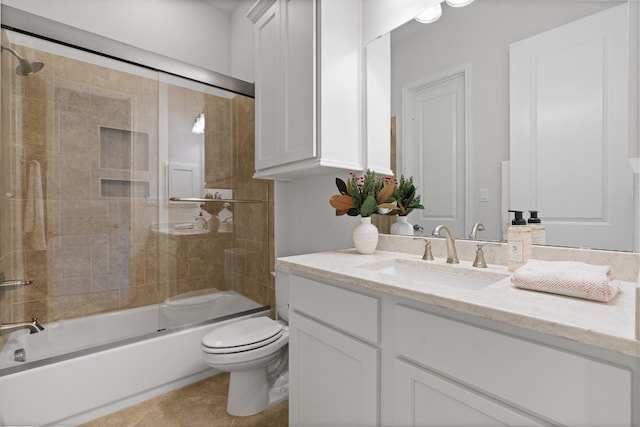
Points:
[(33, 326), (452, 254), (478, 226)]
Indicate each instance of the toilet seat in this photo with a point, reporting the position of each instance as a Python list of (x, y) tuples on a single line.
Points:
[(241, 336)]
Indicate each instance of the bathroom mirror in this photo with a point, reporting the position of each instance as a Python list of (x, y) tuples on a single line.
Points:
[(453, 77)]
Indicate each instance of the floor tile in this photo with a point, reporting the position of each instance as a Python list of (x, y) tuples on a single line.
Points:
[(199, 404)]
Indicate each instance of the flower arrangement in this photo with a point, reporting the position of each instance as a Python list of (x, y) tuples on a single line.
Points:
[(405, 197), (363, 195)]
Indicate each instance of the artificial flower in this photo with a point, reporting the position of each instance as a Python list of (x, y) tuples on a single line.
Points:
[(363, 195)]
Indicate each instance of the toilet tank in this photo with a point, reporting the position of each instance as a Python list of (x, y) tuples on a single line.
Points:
[(282, 295)]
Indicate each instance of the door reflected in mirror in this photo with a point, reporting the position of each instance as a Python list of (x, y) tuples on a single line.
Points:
[(570, 132)]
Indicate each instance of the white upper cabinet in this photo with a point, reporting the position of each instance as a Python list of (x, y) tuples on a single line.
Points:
[(322, 84), (309, 87), (267, 48)]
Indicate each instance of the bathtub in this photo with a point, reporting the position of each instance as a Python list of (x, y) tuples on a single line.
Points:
[(80, 369)]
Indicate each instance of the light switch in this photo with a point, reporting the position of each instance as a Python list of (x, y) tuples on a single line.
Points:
[(484, 194)]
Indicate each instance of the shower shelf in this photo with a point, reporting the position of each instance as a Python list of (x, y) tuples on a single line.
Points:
[(198, 200)]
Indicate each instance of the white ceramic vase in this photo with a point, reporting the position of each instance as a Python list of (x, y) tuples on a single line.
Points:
[(365, 236), (402, 227)]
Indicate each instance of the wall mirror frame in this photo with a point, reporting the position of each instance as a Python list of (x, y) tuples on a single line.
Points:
[(453, 77)]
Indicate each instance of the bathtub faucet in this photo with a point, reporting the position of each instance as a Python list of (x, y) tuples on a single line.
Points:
[(33, 326)]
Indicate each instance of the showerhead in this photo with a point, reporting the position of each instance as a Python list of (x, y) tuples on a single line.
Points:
[(24, 67)]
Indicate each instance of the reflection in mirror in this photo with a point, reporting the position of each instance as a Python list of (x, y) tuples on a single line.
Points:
[(200, 154), (458, 126)]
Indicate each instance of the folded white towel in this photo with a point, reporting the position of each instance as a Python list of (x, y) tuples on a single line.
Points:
[(570, 278)]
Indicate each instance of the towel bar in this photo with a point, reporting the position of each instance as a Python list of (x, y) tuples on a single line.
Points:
[(4, 283)]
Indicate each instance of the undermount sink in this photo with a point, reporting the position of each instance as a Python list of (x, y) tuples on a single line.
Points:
[(441, 274)]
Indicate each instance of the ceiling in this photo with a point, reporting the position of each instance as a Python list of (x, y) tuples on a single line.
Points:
[(228, 6)]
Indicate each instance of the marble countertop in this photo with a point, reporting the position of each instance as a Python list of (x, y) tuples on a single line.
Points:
[(606, 325)]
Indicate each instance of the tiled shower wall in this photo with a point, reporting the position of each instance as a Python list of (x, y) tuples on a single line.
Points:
[(101, 254)]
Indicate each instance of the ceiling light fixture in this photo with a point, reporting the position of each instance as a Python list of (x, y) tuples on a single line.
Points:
[(459, 3), (430, 15)]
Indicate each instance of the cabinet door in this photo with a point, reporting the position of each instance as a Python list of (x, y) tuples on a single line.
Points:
[(333, 377), (298, 59), (268, 87), (424, 399)]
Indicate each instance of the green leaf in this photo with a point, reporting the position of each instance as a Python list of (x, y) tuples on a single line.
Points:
[(410, 193), (368, 206)]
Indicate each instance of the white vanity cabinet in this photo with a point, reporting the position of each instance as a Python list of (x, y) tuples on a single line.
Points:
[(432, 366), (308, 62), (333, 355), (450, 370)]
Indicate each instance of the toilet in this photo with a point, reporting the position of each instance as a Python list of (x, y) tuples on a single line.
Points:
[(255, 352)]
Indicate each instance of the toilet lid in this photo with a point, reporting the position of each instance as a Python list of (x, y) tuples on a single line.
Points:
[(243, 333)]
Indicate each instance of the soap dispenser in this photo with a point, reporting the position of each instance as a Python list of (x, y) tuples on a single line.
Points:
[(538, 231), (201, 223), (518, 242)]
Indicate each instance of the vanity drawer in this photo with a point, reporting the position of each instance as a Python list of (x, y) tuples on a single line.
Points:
[(352, 312), (556, 384)]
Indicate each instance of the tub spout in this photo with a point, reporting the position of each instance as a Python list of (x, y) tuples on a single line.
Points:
[(33, 326)]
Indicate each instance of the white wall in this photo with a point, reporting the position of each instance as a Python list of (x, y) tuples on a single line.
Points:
[(242, 50), (305, 222), (188, 30)]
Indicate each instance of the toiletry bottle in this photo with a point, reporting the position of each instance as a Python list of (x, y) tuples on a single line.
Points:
[(538, 231), (201, 223), (518, 242)]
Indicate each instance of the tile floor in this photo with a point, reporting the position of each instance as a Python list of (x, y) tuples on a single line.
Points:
[(199, 404)]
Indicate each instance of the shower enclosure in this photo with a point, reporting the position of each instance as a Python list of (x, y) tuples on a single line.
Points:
[(103, 175)]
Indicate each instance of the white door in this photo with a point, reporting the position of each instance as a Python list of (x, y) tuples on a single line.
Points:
[(569, 136), (333, 377), (435, 149)]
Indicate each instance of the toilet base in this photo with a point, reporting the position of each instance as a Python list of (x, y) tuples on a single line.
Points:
[(279, 391), (249, 392)]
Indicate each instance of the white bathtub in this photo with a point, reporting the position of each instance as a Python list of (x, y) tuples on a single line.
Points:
[(71, 376)]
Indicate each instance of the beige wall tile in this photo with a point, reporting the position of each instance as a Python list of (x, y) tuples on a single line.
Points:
[(101, 255)]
